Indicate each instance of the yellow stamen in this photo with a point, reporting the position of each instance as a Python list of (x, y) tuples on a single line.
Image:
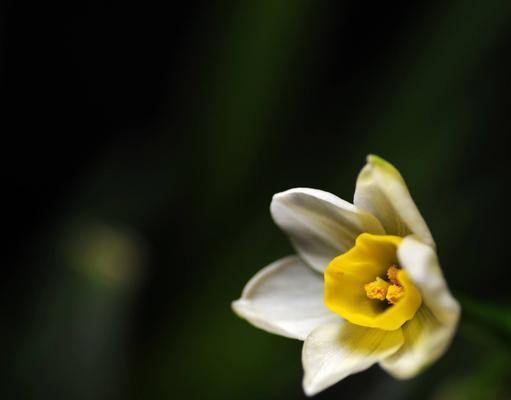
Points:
[(394, 294), (382, 290), (392, 274), (377, 289)]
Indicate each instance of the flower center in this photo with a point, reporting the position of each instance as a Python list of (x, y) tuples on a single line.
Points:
[(382, 290), (366, 286)]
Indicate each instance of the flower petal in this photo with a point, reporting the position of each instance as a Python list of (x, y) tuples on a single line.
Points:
[(319, 224), (425, 340), (421, 262), (285, 298), (428, 335), (382, 191), (334, 351)]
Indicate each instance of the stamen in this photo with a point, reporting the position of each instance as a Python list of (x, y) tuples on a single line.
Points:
[(382, 290), (394, 293), (392, 274), (377, 289)]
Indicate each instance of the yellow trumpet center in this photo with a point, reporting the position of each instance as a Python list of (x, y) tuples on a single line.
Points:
[(366, 287)]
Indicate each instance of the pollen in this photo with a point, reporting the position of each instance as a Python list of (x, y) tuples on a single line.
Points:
[(392, 274), (394, 294), (377, 290), (382, 290)]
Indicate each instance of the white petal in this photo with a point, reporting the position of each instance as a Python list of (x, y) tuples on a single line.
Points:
[(421, 262), (382, 191), (334, 351), (428, 335), (285, 298), (320, 225), (426, 339)]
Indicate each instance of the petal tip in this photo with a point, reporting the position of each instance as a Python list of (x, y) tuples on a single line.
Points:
[(309, 388), (280, 198), (372, 158), (237, 307), (379, 162)]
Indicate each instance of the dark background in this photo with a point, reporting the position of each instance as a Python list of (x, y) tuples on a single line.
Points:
[(142, 143)]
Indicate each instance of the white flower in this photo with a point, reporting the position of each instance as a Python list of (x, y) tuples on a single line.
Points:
[(365, 287)]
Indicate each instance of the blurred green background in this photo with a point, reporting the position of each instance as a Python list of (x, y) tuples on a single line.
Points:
[(143, 143)]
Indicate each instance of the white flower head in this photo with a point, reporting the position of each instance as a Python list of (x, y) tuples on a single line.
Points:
[(365, 287)]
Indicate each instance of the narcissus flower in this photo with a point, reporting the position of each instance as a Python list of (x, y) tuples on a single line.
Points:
[(365, 286)]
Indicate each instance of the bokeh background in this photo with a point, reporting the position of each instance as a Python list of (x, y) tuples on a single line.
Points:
[(142, 144)]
